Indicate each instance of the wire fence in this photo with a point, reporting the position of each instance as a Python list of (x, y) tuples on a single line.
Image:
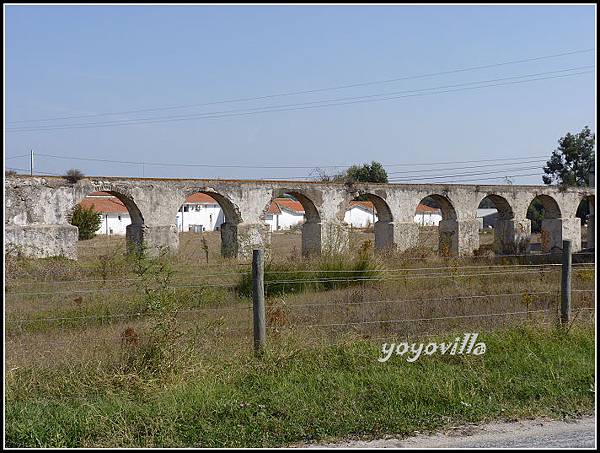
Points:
[(537, 300)]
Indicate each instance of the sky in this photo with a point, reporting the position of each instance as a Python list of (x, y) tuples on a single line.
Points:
[(86, 61)]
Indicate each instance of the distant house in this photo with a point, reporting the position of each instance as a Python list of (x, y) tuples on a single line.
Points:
[(284, 213), (115, 216), (427, 216), (201, 212), (360, 214)]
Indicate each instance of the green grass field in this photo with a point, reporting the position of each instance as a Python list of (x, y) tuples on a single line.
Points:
[(115, 351), (296, 394)]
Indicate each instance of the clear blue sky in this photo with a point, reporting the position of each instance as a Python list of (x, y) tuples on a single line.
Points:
[(78, 60)]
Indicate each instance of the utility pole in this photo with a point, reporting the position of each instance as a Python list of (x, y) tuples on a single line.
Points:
[(31, 163)]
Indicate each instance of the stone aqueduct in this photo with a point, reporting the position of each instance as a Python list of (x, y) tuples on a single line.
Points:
[(37, 208)]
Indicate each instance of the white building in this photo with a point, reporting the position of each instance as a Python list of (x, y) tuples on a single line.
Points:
[(284, 213), (201, 212), (361, 214), (427, 216), (115, 216)]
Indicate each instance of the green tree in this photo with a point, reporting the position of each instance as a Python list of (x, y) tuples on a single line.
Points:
[(373, 172), (572, 162), (535, 213), (87, 220)]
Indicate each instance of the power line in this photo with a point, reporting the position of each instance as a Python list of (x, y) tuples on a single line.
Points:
[(419, 178), (517, 160), (27, 171), (493, 178), (16, 157), (457, 168), (288, 107), (316, 90)]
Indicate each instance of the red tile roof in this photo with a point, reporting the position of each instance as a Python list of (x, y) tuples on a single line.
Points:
[(200, 198), (105, 202), (273, 208), (424, 209), (363, 204), (104, 205), (289, 204)]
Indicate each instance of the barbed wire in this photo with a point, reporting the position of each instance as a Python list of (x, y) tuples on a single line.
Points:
[(220, 331), (441, 299), (369, 278), (425, 319), (410, 269), (126, 315), (118, 280), (176, 275)]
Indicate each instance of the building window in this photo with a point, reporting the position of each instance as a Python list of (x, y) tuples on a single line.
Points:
[(119, 218), (186, 208), (210, 217)]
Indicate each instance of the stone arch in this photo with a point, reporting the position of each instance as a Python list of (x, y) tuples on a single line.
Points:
[(586, 211), (384, 225), (311, 228), (550, 228), (448, 225), (232, 218), (445, 205), (134, 231), (551, 206), (509, 237), (505, 210)]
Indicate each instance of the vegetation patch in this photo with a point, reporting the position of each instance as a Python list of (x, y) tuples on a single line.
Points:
[(297, 394)]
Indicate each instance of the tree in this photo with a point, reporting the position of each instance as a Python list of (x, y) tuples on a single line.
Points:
[(73, 175), (87, 220), (535, 213), (367, 173), (10, 172), (572, 162)]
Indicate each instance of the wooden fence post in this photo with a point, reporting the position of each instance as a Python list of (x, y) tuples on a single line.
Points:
[(565, 287), (258, 299)]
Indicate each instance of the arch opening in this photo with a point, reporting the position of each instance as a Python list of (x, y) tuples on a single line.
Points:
[(207, 225), (121, 223), (295, 223), (371, 222), (436, 218), (545, 216), (497, 230), (586, 213)]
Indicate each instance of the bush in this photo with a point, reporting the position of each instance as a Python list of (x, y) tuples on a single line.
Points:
[(330, 271), (73, 175), (87, 220)]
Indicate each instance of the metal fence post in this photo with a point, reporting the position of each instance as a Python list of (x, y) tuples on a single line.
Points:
[(258, 299), (565, 287)]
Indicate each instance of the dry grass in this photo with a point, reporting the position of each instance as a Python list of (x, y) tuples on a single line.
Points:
[(113, 351), (48, 322)]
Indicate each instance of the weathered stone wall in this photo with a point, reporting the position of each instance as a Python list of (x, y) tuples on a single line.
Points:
[(37, 210)]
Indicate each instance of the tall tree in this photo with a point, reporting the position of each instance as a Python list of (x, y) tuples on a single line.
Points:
[(573, 161)]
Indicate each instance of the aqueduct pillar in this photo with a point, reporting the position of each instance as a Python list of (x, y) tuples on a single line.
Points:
[(511, 236)]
